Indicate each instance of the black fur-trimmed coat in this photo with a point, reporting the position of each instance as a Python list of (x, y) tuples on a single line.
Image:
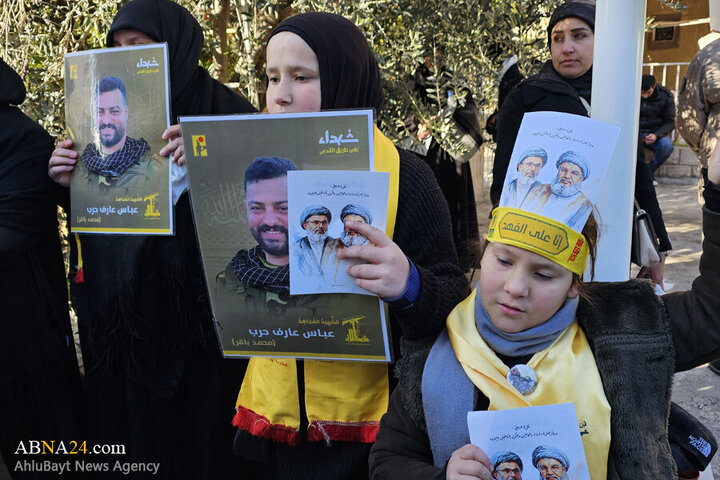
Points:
[(639, 341)]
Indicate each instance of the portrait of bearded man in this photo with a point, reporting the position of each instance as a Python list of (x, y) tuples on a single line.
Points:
[(116, 160), (262, 272), (563, 198), (316, 249), (516, 191), (551, 462)]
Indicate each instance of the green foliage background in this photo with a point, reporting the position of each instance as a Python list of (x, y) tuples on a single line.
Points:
[(476, 34)]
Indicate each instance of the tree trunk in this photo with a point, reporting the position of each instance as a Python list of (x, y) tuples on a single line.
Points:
[(221, 16)]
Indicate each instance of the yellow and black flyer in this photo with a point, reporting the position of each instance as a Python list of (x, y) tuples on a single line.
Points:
[(239, 167), (117, 107)]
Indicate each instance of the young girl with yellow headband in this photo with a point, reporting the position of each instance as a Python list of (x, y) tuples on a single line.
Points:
[(609, 348)]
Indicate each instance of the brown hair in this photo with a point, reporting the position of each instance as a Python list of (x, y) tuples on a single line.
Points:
[(590, 232)]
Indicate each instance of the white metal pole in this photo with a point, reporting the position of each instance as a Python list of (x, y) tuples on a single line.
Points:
[(617, 68)]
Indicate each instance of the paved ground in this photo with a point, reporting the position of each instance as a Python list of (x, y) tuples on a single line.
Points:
[(698, 390)]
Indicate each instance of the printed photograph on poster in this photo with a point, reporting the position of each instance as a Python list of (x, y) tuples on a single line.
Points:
[(245, 224), (532, 442), (117, 107), (320, 205), (558, 166)]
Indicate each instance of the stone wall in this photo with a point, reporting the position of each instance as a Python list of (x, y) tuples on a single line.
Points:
[(682, 164)]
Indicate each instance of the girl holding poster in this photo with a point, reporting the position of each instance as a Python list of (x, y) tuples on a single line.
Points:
[(317, 419)]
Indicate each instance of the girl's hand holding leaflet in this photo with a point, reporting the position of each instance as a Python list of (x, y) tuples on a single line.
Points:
[(175, 146), (386, 268), (468, 462), (62, 163)]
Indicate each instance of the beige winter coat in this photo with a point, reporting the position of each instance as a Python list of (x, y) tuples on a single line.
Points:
[(698, 108)]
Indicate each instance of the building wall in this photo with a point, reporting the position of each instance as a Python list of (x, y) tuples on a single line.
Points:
[(684, 46)]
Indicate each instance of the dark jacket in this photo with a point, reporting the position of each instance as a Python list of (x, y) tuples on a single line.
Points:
[(657, 112), (546, 91), (638, 339)]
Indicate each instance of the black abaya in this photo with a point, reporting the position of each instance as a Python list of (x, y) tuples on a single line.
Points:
[(40, 389), (155, 377)]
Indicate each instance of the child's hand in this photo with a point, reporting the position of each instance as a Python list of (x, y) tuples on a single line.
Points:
[(385, 269), (175, 146), (467, 462), (62, 163)]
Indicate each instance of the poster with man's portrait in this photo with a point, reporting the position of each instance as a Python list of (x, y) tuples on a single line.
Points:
[(322, 205), (239, 168), (546, 442), (117, 107), (558, 166)]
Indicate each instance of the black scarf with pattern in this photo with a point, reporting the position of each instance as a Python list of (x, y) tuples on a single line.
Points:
[(248, 267), (116, 163)]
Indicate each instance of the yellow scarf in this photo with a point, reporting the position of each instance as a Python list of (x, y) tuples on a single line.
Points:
[(566, 372), (343, 400)]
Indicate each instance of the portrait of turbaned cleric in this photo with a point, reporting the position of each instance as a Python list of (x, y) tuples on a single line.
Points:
[(316, 250), (564, 195)]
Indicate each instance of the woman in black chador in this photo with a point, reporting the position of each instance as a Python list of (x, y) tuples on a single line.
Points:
[(455, 179), (155, 378), (40, 389)]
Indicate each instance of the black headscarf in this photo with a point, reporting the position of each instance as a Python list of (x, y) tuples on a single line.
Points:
[(33, 290), (193, 90), (130, 326), (12, 88), (582, 9), (27, 196), (349, 72)]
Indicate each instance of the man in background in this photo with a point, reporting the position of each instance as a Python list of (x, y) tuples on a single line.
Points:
[(657, 120), (531, 162)]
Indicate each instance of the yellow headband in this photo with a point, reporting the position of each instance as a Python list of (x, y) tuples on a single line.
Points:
[(551, 239)]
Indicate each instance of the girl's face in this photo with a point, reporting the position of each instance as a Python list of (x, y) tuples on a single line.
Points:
[(521, 289), (293, 75), (128, 38)]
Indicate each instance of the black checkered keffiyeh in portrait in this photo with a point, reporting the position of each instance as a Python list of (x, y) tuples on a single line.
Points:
[(248, 267), (116, 163)]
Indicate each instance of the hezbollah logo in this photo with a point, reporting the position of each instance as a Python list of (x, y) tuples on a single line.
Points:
[(151, 208), (73, 72), (355, 334), (199, 146)]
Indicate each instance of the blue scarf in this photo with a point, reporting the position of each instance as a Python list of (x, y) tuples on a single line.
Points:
[(528, 341), (446, 421)]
